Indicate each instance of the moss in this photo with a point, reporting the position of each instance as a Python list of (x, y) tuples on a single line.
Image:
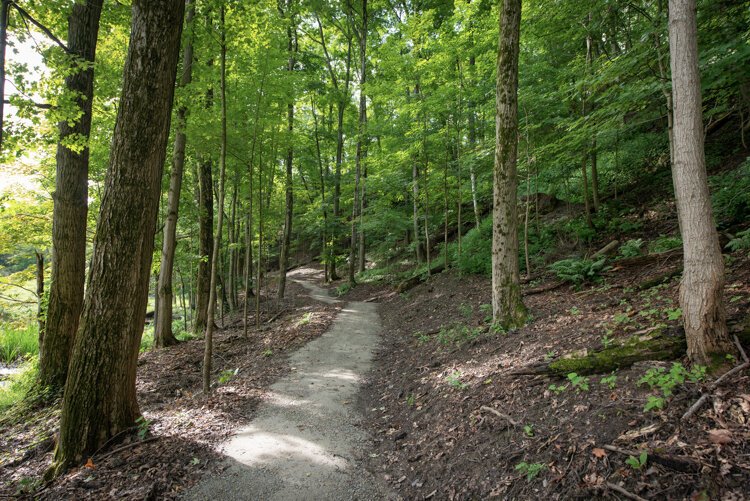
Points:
[(634, 349)]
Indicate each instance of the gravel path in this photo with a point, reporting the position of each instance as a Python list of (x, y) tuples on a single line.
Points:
[(305, 442)]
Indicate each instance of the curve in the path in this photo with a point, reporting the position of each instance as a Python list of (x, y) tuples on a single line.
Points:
[(305, 440)]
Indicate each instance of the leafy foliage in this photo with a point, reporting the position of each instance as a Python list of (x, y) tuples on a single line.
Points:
[(579, 271)]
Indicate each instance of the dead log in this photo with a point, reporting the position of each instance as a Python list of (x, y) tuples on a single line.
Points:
[(544, 288), (658, 280), (417, 279), (607, 249), (656, 345), (646, 259)]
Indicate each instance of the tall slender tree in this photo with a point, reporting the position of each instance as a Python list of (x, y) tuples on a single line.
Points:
[(361, 147), (286, 239), (163, 335), (702, 284), (208, 352), (507, 306), (100, 399), (70, 202)]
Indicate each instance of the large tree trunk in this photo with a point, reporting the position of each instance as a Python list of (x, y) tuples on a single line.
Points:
[(100, 399), (289, 194), (70, 206), (507, 307), (163, 335), (703, 276), (208, 352)]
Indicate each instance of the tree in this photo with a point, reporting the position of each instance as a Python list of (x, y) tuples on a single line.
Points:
[(702, 284), (208, 352), (163, 335), (507, 306), (100, 398), (286, 239), (70, 202)]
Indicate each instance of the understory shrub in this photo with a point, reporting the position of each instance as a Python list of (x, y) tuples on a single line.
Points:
[(579, 271), (729, 195)]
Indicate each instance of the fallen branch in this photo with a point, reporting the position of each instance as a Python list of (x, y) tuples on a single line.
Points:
[(644, 260), (270, 320), (544, 288), (499, 414), (128, 446), (660, 279), (412, 282), (606, 249), (676, 463), (699, 403), (627, 494)]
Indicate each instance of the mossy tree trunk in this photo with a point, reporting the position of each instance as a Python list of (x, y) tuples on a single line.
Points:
[(100, 398), (507, 306), (163, 335), (703, 275), (70, 204)]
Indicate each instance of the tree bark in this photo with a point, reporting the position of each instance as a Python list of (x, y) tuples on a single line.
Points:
[(288, 180), (361, 153), (100, 398), (70, 205), (4, 10), (208, 339), (205, 244), (702, 283), (507, 307), (163, 335)]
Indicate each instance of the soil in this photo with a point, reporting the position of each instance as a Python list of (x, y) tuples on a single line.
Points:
[(441, 368)]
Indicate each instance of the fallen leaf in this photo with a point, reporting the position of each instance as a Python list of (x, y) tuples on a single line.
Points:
[(720, 436), (89, 464), (600, 453)]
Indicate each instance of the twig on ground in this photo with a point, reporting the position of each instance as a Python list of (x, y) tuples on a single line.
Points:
[(499, 414), (128, 446), (627, 494), (270, 320), (699, 403)]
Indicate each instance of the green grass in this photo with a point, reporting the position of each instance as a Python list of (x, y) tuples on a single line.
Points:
[(19, 385), (18, 342)]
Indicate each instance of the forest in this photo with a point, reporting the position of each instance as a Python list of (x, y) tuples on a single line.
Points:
[(374, 249)]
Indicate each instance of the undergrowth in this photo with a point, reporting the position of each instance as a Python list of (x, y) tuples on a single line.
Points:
[(18, 342)]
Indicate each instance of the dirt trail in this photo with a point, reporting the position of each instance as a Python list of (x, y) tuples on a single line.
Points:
[(306, 440)]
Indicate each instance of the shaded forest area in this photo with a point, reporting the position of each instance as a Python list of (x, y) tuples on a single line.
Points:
[(550, 202)]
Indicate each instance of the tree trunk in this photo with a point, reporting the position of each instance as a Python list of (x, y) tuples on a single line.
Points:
[(100, 398), (4, 10), (361, 153), (39, 290), (163, 335), (70, 206), (594, 177), (208, 352), (205, 245), (415, 211), (507, 307), (472, 147), (289, 194), (703, 277)]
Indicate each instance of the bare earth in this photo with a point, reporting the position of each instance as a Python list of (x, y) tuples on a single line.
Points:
[(306, 441)]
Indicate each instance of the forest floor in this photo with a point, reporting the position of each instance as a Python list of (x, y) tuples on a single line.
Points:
[(451, 420), (442, 414), (178, 442)]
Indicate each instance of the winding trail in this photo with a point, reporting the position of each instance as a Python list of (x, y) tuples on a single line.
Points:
[(305, 439)]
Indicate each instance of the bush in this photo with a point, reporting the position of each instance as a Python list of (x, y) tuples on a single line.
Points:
[(18, 342), (476, 250), (740, 242), (664, 243), (631, 248), (579, 271)]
